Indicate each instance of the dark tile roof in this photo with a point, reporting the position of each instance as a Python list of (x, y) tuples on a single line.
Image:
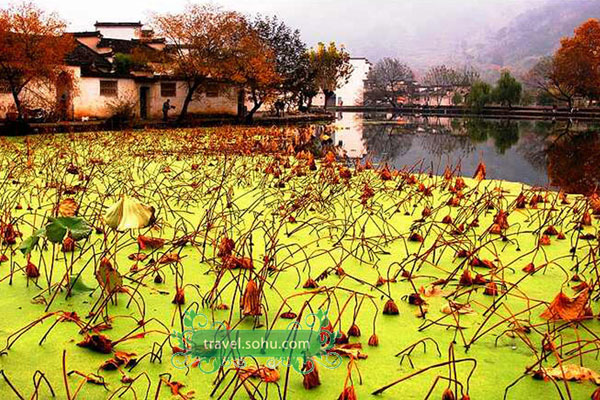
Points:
[(87, 58), (86, 34), (123, 46)]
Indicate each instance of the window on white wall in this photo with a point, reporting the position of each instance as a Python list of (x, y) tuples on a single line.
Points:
[(109, 88), (168, 89), (212, 90)]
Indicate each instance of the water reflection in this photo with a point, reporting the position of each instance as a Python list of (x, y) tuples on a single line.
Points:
[(541, 153)]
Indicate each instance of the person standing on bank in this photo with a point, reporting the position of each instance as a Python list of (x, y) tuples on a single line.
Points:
[(166, 107)]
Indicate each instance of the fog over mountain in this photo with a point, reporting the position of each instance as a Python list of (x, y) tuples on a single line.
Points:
[(487, 33), (533, 34)]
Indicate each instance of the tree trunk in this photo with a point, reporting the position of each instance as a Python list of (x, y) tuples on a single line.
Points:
[(309, 104), (18, 104), (253, 110), (328, 95), (188, 99)]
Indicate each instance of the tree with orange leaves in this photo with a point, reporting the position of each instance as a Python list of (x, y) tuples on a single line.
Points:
[(578, 60), (33, 47), (203, 44), (254, 67)]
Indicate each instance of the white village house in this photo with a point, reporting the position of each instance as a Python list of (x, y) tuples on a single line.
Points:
[(350, 93), (95, 83)]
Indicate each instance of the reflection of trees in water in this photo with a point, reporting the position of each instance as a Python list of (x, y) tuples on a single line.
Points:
[(445, 141), (505, 133), (388, 141), (533, 142), (573, 162), (568, 151)]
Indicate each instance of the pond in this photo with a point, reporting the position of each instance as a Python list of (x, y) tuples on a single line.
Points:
[(555, 154)]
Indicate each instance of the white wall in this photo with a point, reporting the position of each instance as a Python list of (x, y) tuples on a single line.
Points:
[(225, 103), (89, 102), (352, 92), (119, 32)]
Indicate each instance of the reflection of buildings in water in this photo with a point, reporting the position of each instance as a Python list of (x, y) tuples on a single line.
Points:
[(348, 134), (443, 142), (387, 141)]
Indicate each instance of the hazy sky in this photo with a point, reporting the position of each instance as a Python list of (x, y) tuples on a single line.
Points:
[(370, 28)]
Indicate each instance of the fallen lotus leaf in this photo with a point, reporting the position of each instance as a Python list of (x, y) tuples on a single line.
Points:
[(350, 350), (573, 372), (99, 343), (67, 208), (566, 308), (452, 308), (128, 214), (265, 374), (432, 291), (169, 258), (120, 358), (146, 242)]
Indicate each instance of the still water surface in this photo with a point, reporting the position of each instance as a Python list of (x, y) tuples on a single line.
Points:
[(559, 155)]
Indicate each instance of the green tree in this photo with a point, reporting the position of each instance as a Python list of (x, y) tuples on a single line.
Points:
[(332, 68), (508, 90), (290, 52), (457, 98), (479, 95)]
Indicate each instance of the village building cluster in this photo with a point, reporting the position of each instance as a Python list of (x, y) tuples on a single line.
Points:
[(95, 81)]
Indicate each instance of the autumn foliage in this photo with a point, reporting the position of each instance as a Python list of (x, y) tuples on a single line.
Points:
[(32, 48)]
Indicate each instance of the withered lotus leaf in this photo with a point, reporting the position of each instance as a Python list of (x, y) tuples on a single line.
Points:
[(251, 299), (128, 214), (67, 208), (108, 277), (310, 375), (566, 308), (263, 373), (98, 343), (480, 172), (226, 247), (573, 372), (147, 242)]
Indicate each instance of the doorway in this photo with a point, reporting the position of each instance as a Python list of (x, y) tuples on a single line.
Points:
[(144, 102)]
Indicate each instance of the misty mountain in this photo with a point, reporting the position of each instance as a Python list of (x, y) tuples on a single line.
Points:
[(532, 34)]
